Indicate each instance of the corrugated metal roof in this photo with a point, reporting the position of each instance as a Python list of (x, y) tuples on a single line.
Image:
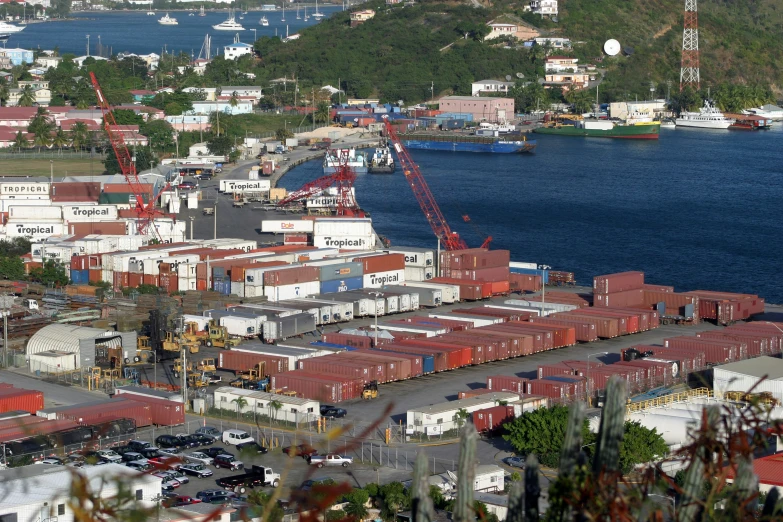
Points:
[(757, 367), (488, 398), (63, 337), (263, 396), (768, 469)]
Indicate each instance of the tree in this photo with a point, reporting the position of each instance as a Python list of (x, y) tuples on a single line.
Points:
[(50, 273), (541, 432), (274, 407), (60, 139), (640, 445), (12, 267), (15, 247), (357, 503), (393, 499), (159, 132), (282, 134), (322, 112), (145, 160), (220, 145), (461, 416), (27, 96), (127, 117), (20, 141), (3, 93), (80, 135), (42, 126), (241, 403), (234, 99), (272, 510)]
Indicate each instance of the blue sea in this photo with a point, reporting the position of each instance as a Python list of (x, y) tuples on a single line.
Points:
[(696, 209), (136, 32)]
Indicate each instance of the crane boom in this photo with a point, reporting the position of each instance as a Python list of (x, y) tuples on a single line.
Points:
[(449, 238), (146, 212)]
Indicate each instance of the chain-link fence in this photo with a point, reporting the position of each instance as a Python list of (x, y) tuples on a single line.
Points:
[(399, 458), (51, 154)]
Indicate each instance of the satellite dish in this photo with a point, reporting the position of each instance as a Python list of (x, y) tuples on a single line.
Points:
[(520, 75), (508, 77), (612, 47)]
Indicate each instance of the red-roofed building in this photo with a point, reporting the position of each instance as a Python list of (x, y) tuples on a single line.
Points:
[(67, 124), (18, 117), (769, 471), (7, 137)]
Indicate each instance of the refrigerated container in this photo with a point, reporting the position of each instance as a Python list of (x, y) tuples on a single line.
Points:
[(281, 328), (448, 293)]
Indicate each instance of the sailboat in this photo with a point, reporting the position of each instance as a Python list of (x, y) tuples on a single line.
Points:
[(202, 12), (297, 12), (306, 18), (317, 14), (283, 18)]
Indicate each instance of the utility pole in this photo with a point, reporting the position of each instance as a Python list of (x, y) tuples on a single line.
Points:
[(214, 212), (191, 227), (543, 286), (432, 91), (51, 174), (184, 364), (377, 295), (88, 44)]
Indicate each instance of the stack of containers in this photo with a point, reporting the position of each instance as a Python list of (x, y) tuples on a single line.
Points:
[(478, 265), (291, 283), (526, 277), (47, 427), (111, 410), (725, 308), (341, 277), (237, 362), (619, 290), (162, 412), (344, 233), (381, 270), (419, 263)]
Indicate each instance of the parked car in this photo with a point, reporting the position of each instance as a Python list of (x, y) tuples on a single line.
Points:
[(228, 462), (132, 456), (252, 447), (155, 456), (196, 469), (189, 441), (333, 412), (302, 450), (215, 451), (204, 440), (168, 480), (200, 457), (209, 430), (138, 445), (330, 460), (109, 456), (139, 465), (515, 462), (169, 441), (50, 460), (204, 176), (307, 485), (179, 500), (187, 185), (177, 474), (235, 437), (207, 494)]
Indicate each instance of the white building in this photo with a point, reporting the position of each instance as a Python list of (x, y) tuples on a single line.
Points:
[(224, 106), (485, 86), (210, 93), (438, 418), (293, 409), (489, 479), (236, 50), (242, 91), (543, 7), (198, 149), (42, 492), (79, 60), (559, 64), (49, 62), (743, 376), (554, 43), (62, 347)]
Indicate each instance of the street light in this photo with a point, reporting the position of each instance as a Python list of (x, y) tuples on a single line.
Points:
[(543, 286), (674, 502), (588, 374)]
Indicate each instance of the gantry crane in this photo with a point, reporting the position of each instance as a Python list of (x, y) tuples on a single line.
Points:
[(342, 179), (146, 212), (449, 238)]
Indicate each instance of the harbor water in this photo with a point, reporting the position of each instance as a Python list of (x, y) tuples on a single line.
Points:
[(696, 209), (120, 31)]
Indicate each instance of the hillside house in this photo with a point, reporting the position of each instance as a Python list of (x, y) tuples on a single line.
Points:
[(41, 89), (508, 25), (559, 64), (359, 17), (542, 7), (49, 62), (490, 86), (554, 43), (567, 81), (237, 50), (18, 56)]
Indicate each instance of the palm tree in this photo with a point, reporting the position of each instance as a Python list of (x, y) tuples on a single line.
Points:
[(42, 140), (20, 141), (27, 96), (322, 113), (80, 135), (3, 93), (241, 402), (234, 100), (60, 139), (356, 509), (461, 416), (274, 407)]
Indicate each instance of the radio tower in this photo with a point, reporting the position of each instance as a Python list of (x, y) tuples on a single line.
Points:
[(689, 70)]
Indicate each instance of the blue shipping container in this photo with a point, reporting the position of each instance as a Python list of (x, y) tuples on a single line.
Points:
[(322, 344), (341, 285), (531, 271), (341, 271), (222, 286), (80, 277), (564, 378), (427, 361)]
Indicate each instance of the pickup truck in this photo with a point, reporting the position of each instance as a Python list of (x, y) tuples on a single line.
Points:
[(330, 460), (257, 476)]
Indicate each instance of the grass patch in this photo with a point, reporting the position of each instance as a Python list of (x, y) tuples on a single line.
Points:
[(270, 122), (41, 167)]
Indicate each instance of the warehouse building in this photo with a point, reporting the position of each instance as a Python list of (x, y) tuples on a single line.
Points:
[(292, 409), (62, 347), (743, 376), (483, 108), (43, 492), (436, 419)]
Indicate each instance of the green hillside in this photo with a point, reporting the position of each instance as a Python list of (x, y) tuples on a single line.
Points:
[(402, 53)]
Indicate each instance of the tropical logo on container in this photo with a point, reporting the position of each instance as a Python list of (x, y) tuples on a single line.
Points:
[(29, 230), (89, 212), (341, 242), (382, 280), (412, 259), (243, 186)]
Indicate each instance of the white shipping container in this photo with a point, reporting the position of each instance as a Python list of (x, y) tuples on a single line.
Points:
[(343, 227), (345, 242), (186, 283), (429, 331), (254, 291), (241, 326), (186, 270), (81, 213), (560, 307), (295, 291), (326, 199), (201, 321), (238, 288), (527, 266), (11, 188), (392, 304), (419, 274), (35, 230), (36, 213), (252, 175), (449, 293), (416, 257), (234, 186), (477, 321), (290, 225), (377, 280)]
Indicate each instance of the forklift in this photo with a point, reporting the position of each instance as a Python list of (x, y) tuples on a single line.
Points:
[(172, 344), (176, 368), (193, 335), (218, 337), (370, 390), (206, 365)]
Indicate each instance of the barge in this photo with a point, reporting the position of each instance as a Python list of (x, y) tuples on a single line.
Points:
[(468, 143)]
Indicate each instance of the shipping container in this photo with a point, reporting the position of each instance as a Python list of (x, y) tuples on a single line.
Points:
[(163, 412), (585, 331), (96, 413), (331, 389), (341, 285), (282, 328), (492, 419), (715, 351), (506, 383), (13, 399), (633, 297), (237, 362), (619, 282)]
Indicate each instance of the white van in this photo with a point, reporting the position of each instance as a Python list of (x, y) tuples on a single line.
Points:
[(30, 304), (235, 437)]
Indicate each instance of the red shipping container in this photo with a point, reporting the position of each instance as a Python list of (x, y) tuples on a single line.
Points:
[(473, 393), (674, 302), (95, 275), (619, 282), (499, 287), (561, 335), (717, 352), (477, 349), (329, 365), (756, 345), (76, 192), (492, 419), (135, 280), (658, 288), (295, 239), (19, 422), (509, 383), (290, 276), (457, 356), (499, 273), (501, 347), (635, 318), (562, 298), (333, 388), (625, 298), (621, 322), (12, 399), (108, 228), (398, 366), (121, 280), (381, 263), (473, 259), (97, 413), (163, 412), (150, 280), (539, 341), (242, 361), (584, 331), (522, 344), (560, 391), (468, 290), (524, 282), (201, 284), (558, 370), (605, 327), (41, 428), (451, 324), (440, 357)]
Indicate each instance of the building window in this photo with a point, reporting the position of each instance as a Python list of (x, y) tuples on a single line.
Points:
[(60, 509), (493, 479), (310, 410), (223, 398), (294, 410), (139, 494), (440, 421)]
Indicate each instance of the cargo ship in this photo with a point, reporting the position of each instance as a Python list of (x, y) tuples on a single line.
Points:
[(356, 160), (603, 129), (382, 161), (468, 143)]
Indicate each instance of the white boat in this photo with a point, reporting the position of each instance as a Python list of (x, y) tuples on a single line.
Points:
[(191, 14), (298, 17), (357, 161), (7, 28), (150, 13), (264, 21), (228, 25), (708, 117), (167, 20), (202, 12), (317, 14), (668, 124), (640, 118), (769, 111), (382, 161), (306, 17)]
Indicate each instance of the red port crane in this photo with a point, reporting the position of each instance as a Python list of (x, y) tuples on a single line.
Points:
[(449, 238), (146, 212), (343, 179)]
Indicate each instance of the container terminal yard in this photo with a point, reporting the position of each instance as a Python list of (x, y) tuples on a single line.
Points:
[(163, 343)]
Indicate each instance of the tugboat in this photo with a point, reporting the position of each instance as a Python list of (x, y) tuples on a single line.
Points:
[(381, 161)]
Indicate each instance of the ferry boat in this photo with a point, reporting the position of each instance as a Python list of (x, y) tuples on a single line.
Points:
[(452, 142), (229, 25), (708, 117), (264, 21), (167, 20), (381, 161), (6, 28), (357, 161), (601, 129)]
